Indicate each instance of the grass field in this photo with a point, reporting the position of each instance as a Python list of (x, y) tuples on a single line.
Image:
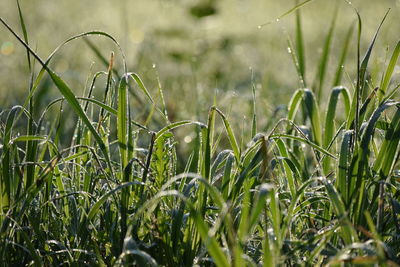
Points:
[(178, 154)]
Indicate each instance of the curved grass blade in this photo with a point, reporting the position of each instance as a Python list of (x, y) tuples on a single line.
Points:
[(297, 6), (294, 104), (331, 112), (142, 256), (231, 135), (140, 83), (96, 207), (303, 140), (67, 92), (313, 113), (330, 116), (176, 125)]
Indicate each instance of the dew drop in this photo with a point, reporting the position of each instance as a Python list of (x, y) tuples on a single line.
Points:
[(289, 50)]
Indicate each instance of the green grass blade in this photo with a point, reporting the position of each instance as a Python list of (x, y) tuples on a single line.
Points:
[(303, 140), (243, 230), (330, 119), (96, 207), (176, 125), (340, 210), (5, 182), (254, 115), (360, 160), (122, 121), (332, 111), (31, 147), (295, 61), (294, 104), (365, 61), (343, 166), (296, 7), (25, 33), (355, 104), (313, 113), (288, 171), (300, 47), (66, 91), (343, 55), (323, 63), (388, 73), (208, 143), (140, 83), (259, 204), (231, 136), (387, 156)]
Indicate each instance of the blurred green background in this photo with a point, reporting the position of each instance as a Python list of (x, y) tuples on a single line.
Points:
[(197, 48)]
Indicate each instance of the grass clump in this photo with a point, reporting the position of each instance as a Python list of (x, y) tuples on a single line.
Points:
[(319, 186)]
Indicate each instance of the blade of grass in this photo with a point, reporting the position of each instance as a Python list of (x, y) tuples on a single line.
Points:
[(66, 92), (330, 116), (300, 46), (296, 7), (323, 63), (343, 55), (231, 136), (388, 73), (313, 113)]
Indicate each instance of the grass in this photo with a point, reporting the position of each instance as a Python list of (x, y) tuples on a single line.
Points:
[(319, 186)]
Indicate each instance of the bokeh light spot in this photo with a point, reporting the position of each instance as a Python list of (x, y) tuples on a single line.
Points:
[(136, 36), (7, 48), (187, 139)]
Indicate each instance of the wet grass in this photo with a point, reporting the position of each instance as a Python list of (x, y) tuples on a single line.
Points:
[(319, 185)]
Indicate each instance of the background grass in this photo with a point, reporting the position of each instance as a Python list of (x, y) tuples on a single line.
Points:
[(192, 55)]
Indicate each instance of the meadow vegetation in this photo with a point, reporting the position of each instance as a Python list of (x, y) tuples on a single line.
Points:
[(112, 176)]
